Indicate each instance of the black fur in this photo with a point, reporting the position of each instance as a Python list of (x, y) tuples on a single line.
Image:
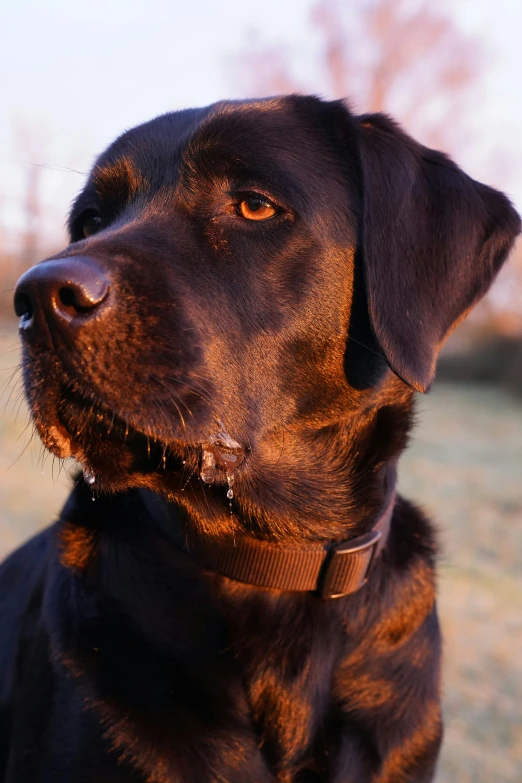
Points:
[(120, 658)]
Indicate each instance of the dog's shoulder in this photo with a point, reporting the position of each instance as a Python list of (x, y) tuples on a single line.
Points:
[(22, 582)]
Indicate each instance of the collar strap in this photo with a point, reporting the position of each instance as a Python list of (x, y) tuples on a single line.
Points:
[(330, 570)]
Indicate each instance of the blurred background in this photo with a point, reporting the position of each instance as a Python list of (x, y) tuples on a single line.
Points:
[(74, 76)]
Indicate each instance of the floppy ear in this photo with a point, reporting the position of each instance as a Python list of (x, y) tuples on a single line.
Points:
[(433, 239)]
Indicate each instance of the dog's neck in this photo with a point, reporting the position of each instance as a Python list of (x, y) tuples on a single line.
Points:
[(327, 483)]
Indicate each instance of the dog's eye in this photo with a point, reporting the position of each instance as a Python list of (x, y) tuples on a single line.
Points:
[(91, 225), (256, 208)]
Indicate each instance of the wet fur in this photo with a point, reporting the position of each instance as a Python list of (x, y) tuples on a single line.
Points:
[(120, 658)]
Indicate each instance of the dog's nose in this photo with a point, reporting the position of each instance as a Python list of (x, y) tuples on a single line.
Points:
[(60, 292)]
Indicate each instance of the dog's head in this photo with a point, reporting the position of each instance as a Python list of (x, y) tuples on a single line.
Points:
[(248, 269)]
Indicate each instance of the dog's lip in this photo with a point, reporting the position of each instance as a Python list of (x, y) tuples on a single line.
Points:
[(228, 452), (220, 452), (56, 438)]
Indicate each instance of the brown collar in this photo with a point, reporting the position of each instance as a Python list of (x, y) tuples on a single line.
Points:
[(329, 570)]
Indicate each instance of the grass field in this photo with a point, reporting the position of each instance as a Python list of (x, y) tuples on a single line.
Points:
[(464, 467)]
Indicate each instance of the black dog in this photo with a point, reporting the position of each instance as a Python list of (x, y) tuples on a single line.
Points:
[(251, 294)]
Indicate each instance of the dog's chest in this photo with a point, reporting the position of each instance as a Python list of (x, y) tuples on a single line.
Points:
[(244, 683), (254, 701), (287, 654)]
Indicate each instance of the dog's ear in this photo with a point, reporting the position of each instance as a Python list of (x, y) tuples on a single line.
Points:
[(432, 241)]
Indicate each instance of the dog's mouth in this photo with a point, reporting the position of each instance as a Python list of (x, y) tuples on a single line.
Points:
[(72, 424), (114, 452)]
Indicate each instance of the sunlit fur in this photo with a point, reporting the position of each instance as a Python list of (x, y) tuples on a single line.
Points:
[(303, 336)]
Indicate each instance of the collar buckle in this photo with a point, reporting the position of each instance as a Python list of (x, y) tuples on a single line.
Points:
[(346, 569)]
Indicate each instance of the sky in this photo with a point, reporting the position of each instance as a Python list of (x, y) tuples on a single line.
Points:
[(74, 75)]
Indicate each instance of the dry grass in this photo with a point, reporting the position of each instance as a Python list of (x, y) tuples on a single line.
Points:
[(465, 467)]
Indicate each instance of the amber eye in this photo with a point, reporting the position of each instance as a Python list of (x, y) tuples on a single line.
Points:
[(91, 225), (256, 208)]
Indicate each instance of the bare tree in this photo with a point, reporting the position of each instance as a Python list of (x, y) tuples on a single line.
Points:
[(405, 57)]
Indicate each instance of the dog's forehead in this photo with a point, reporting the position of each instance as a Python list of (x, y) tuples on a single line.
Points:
[(269, 133), (149, 151)]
